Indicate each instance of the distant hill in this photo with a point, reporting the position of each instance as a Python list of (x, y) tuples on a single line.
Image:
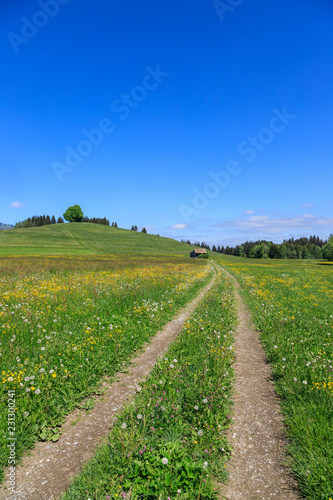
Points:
[(83, 238), (5, 226)]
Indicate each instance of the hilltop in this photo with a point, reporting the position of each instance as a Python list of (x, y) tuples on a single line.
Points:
[(86, 239)]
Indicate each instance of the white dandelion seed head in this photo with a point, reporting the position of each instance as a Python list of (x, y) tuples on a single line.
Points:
[(196, 407), (123, 426), (26, 414), (172, 366), (304, 382), (205, 464), (139, 416), (200, 433), (164, 461), (37, 391), (205, 400)]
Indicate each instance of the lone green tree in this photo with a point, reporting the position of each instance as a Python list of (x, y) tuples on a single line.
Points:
[(73, 214)]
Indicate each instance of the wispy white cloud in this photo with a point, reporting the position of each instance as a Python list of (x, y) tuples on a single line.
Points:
[(308, 205), (268, 225), (249, 212), (16, 204), (179, 226)]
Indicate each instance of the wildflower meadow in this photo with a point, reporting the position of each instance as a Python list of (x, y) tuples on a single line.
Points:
[(66, 322)]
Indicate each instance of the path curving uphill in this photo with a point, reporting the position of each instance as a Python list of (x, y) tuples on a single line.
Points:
[(47, 471), (257, 469)]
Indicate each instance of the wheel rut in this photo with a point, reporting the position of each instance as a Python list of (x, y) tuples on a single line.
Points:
[(257, 469)]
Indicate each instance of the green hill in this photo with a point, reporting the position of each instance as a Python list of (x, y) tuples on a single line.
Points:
[(85, 239)]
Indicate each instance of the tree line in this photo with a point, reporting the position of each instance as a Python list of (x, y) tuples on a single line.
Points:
[(45, 220), (312, 247), (39, 220)]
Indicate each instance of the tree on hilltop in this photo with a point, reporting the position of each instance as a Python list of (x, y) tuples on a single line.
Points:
[(73, 214)]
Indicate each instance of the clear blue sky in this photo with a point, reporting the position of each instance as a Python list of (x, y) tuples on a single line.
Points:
[(213, 122)]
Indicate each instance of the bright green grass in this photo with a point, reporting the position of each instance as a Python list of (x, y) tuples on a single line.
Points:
[(85, 238), (66, 322), (292, 306), (180, 415)]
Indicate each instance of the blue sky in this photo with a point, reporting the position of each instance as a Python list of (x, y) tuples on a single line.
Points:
[(196, 119)]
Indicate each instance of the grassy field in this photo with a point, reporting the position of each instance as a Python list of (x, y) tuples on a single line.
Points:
[(86, 239), (66, 322), (171, 442), (291, 303)]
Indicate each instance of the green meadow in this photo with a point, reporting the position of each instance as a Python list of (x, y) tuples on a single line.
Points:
[(86, 295), (86, 239)]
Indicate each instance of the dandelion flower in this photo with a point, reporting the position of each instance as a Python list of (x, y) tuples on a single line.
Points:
[(196, 407), (123, 426), (37, 391), (172, 366), (304, 382), (164, 461), (205, 464), (200, 433), (26, 414), (139, 416)]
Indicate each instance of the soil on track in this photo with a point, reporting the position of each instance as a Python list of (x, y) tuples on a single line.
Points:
[(257, 469), (48, 471)]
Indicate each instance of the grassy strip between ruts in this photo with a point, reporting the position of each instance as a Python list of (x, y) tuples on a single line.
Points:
[(170, 442)]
